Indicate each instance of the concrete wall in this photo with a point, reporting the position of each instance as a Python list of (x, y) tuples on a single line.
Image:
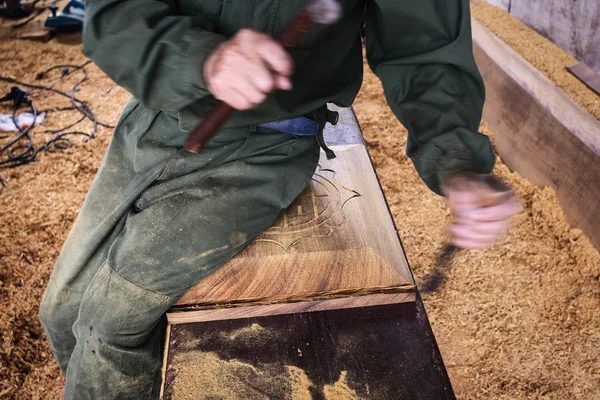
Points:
[(574, 25)]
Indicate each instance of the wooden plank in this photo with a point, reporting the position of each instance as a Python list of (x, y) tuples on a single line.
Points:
[(536, 86), (351, 301), (346, 131), (42, 35), (322, 305), (586, 75), (303, 275), (165, 359), (540, 132), (338, 235), (380, 352)]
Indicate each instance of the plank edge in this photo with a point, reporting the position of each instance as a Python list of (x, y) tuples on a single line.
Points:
[(165, 362), (288, 308), (561, 106)]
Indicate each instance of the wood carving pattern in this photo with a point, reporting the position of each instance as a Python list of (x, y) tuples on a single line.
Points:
[(316, 213)]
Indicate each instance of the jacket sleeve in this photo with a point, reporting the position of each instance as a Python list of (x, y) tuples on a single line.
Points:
[(150, 50), (422, 52)]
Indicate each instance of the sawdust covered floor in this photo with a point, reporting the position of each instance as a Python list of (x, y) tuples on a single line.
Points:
[(38, 207), (540, 52), (519, 320)]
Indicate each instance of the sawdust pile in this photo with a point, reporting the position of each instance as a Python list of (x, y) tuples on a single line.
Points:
[(207, 376), (250, 333), (543, 54), (340, 390), (204, 375), (300, 384), (201, 375), (519, 320)]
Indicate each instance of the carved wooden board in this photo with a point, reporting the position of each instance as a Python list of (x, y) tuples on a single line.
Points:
[(540, 132), (320, 306), (337, 236)]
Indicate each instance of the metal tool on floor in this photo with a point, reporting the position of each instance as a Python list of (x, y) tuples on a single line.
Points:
[(70, 19)]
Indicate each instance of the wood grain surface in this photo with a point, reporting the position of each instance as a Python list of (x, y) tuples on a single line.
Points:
[(540, 132), (322, 305), (338, 235), (379, 353), (245, 311)]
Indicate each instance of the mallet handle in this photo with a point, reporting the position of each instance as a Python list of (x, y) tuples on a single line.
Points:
[(221, 113)]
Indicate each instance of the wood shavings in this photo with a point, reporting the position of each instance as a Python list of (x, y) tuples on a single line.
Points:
[(201, 375), (38, 208), (300, 384), (340, 390), (543, 54), (519, 320)]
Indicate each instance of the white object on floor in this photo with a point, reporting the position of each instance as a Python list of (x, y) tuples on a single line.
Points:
[(24, 120)]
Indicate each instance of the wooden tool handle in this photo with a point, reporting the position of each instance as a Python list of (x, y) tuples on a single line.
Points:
[(221, 113), (208, 127), (490, 189)]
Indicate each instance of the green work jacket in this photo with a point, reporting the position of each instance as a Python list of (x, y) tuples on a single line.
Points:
[(420, 49)]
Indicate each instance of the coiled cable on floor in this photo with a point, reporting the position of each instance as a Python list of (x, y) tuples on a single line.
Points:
[(21, 150)]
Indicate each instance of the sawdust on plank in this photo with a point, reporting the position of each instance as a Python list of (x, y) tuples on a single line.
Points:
[(540, 52), (204, 375), (300, 383), (248, 333), (340, 389)]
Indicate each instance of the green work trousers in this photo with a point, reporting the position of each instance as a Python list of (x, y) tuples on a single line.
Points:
[(156, 221)]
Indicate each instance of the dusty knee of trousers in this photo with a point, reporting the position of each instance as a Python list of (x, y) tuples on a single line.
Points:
[(49, 312), (118, 311), (58, 309)]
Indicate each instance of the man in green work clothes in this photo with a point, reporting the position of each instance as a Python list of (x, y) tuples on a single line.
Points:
[(158, 219)]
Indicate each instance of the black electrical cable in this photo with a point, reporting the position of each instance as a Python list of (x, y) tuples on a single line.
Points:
[(28, 155), (71, 96), (57, 109), (57, 141), (66, 127), (28, 20), (21, 149)]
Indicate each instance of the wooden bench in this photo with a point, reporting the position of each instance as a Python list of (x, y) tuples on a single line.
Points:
[(321, 305), (539, 131)]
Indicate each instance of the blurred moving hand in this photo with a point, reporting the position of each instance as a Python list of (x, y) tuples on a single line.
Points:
[(482, 209), (245, 69)]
